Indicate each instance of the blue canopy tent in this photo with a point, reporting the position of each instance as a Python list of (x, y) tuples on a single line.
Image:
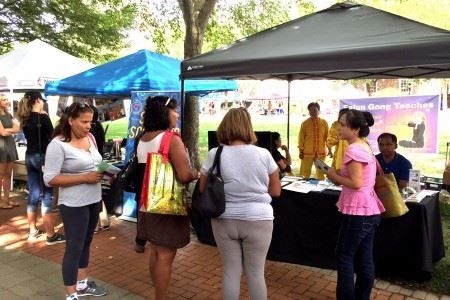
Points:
[(135, 76), (141, 71)]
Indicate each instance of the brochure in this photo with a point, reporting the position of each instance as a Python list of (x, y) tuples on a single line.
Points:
[(321, 165), (108, 169)]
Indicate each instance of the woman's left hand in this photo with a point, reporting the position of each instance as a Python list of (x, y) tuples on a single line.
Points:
[(284, 147)]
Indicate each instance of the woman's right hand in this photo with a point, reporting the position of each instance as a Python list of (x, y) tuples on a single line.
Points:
[(332, 175), (93, 177)]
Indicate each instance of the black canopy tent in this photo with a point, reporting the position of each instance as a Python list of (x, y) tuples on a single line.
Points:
[(344, 41)]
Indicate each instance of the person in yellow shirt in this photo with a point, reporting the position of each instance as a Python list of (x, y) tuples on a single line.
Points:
[(311, 141), (334, 141)]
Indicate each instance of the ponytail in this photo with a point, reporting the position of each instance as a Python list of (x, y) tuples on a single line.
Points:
[(24, 110)]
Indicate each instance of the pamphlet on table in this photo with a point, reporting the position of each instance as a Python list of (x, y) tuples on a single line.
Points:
[(418, 197), (306, 186)]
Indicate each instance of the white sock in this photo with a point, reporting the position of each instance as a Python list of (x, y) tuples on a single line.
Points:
[(82, 284), (72, 296)]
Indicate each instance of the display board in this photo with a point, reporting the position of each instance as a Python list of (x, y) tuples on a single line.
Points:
[(413, 119)]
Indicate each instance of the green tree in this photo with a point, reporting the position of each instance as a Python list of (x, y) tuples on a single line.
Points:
[(91, 29), (247, 17)]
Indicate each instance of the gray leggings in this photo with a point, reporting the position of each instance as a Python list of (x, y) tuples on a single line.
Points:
[(243, 246)]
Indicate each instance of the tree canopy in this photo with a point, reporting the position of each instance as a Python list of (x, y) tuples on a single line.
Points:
[(91, 29)]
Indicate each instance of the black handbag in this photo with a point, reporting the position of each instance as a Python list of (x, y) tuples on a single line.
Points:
[(210, 203), (128, 175)]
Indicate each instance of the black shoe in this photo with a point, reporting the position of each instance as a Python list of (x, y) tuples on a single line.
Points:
[(139, 248), (55, 239)]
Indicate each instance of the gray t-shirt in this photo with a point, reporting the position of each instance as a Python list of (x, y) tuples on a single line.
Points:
[(245, 171), (64, 159)]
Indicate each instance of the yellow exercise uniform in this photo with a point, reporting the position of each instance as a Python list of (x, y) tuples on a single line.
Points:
[(340, 145), (311, 140)]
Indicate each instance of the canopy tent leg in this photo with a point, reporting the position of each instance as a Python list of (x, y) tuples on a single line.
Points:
[(182, 107), (289, 110)]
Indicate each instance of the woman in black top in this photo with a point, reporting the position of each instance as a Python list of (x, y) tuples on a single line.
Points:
[(99, 134), (38, 130), (284, 163)]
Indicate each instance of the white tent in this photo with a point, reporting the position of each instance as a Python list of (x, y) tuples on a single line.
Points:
[(32, 65)]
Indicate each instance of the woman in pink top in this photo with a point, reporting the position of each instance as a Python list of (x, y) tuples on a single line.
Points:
[(360, 208)]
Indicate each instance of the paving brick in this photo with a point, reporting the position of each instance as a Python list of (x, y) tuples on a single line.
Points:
[(419, 294), (406, 292), (397, 297), (394, 288)]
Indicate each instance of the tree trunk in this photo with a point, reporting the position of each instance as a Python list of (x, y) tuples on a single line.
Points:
[(196, 14)]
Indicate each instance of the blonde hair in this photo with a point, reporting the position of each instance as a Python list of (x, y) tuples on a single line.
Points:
[(24, 109), (236, 125), (3, 97)]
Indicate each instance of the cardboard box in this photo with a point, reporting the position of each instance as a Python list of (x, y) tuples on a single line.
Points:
[(446, 177), (20, 170)]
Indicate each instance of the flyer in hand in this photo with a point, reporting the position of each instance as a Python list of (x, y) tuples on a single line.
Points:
[(107, 169), (321, 165)]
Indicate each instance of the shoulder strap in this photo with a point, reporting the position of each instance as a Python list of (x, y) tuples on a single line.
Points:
[(164, 147), (91, 137), (137, 139), (217, 161), (379, 168)]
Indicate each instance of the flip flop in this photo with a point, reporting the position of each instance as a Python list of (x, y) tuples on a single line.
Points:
[(6, 206), (14, 204)]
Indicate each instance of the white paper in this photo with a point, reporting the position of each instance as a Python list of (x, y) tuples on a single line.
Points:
[(299, 187), (418, 197), (414, 179), (291, 178), (335, 187)]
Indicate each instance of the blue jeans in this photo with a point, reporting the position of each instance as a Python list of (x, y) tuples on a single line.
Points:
[(34, 163), (354, 252)]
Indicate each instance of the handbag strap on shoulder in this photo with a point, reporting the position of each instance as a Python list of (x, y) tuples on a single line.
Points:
[(164, 147), (379, 168), (91, 137), (217, 161)]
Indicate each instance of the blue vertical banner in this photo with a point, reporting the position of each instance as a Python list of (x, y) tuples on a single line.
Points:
[(135, 127)]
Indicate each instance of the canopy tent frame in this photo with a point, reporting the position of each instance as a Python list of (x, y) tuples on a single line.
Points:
[(344, 41)]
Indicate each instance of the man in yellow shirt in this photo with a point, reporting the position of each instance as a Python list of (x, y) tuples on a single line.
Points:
[(311, 141)]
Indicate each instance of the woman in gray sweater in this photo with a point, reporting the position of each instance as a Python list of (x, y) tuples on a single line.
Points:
[(71, 164)]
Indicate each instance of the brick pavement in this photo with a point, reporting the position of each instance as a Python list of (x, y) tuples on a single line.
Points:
[(196, 271)]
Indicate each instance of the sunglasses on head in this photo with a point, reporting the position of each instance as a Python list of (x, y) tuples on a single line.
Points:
[(74, 106)]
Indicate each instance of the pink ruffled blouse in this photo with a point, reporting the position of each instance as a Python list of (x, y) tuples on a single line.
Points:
[(363, 201)]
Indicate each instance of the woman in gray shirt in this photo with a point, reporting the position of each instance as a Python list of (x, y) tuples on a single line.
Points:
[(244, 231), (71, 164)]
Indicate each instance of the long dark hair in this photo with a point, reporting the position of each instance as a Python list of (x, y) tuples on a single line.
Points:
[(97, 130), (156, 112), (73, 111), (361, 120)]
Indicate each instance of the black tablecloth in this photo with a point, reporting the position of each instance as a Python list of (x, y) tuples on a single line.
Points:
[(306, 228)]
